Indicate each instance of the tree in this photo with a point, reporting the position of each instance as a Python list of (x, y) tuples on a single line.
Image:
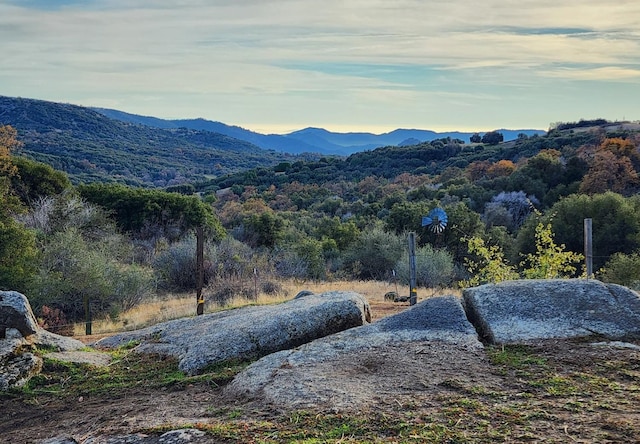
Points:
[(265, 229), (475, 138), (35, 180), (623, 269), (492, 138), (72, 268), (310, 251), (501, 168), (17, 244), (343, 233), (610, 173), (463, 223), (374, 254), (434, 267), (8, 143), (616, 225), (17, 255), (406, 216), (517, 205), (622, 148), (157, 212)]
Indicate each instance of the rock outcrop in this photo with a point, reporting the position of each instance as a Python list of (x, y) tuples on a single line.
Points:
[(523, 310), (349, 370), (247, 333), (19, 335)]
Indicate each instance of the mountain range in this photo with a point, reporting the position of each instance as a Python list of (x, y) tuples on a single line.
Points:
[(311, 140)]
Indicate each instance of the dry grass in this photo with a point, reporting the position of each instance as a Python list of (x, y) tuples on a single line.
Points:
[(174, 306)]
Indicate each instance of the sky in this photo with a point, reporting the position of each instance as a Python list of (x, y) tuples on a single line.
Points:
[(344, 65)]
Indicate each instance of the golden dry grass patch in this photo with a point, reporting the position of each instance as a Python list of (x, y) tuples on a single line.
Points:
[(174, 306)]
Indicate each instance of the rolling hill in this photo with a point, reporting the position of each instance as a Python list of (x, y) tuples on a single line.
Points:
[(90, 146)]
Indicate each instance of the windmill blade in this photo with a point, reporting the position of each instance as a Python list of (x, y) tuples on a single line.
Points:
[(436, 220)]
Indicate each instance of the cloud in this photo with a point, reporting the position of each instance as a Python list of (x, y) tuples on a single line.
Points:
[(614, 73), (401, 53)]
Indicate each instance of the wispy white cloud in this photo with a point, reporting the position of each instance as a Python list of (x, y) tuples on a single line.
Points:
[(612, 73), (377, 60)]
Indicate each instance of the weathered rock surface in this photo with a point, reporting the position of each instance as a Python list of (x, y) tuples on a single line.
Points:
[(52, 341), (247, 333), (17, 363), (352, 369), (94, 358), (15, 312), (524, 310), (183, 436), (19, 334)]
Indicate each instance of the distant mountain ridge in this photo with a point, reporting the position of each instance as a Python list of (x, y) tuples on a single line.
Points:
[(267, 142), (312, 140)]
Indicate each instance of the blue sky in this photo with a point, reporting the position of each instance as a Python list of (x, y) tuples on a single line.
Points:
[(345, 65)]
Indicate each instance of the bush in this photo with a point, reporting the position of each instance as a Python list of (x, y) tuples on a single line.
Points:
[(222, 292), (375, 253), (71, 269), (434, 267), (288, 264), (623, 269), (230, 259), (175, 267), (272, 288)]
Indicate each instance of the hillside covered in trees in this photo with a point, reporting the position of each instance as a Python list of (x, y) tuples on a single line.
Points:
[(514, 209), (91, 147)]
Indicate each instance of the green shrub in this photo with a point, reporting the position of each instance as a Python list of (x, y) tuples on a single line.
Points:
[(72, 269), (623, 269), (489, 264), (434, 267), (17, 255), (550, 261), (175, 267), (375, 253)]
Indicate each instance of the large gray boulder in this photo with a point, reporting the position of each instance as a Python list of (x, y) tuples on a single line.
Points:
[(352, 369), (517, 311), (247, 333), (15, 312)]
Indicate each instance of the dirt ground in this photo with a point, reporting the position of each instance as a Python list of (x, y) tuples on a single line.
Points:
[(552, 391)]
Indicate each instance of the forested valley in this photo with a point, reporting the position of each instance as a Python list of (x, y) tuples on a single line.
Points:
[(514, 210)]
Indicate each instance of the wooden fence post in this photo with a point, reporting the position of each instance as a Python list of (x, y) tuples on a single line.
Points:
[(588, 247), (199, 270), (413, 292)]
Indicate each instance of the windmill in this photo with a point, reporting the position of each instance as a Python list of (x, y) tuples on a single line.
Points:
[(436, 220)]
